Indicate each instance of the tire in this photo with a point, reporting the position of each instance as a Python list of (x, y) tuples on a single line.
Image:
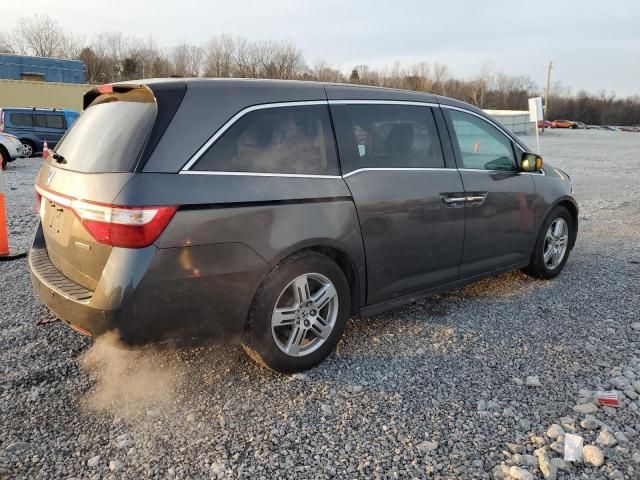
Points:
[(547, 268), (296, 344), (4, 157), (28, 146)]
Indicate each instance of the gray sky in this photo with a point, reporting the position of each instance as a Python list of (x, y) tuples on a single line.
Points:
[(594, 44)]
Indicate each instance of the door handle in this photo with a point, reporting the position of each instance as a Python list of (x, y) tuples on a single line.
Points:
[(476, 199), (454, 199)]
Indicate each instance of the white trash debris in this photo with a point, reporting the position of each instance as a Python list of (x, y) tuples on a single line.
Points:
[(610, 398), (533, 381), (573, 447)]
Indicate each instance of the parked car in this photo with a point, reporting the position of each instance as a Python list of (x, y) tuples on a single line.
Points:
[(564, 124), (269, 212), (545, 124), (10, 149), (35, 125)]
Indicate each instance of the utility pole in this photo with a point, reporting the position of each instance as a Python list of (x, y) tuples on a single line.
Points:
[(546, 95)]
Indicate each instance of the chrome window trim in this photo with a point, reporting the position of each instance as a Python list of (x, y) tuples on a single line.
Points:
[(256, 174), (489, 121), (399, 169), (186, 169), (263, 106), (541, 172), (383, 102)]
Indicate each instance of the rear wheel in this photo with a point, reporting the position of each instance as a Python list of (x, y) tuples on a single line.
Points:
[(299, 313), (28, 148), (552, 249)]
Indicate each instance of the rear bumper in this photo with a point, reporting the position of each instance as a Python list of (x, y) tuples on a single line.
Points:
[(151, 294)]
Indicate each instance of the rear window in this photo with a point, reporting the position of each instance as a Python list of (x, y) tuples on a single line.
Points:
[(21, 119), (286, 140), (110, 134)]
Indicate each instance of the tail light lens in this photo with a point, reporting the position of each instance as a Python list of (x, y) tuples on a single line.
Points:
[(116, 225)]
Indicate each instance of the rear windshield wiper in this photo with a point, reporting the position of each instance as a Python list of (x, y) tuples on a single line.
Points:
[(57, 157)]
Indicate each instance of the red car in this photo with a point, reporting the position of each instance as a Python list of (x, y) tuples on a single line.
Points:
[(563, 124)]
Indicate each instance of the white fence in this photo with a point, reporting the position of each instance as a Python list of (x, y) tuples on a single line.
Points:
[(516, 121)]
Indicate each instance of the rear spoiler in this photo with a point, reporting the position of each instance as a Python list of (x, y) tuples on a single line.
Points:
[(139, 93)]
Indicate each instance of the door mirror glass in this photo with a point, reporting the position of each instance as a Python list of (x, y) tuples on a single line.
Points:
[(530, 162)]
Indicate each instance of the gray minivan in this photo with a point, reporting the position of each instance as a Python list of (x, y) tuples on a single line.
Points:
[(267, 212)]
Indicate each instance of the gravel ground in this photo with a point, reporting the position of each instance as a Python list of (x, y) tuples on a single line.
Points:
[(484, 382)]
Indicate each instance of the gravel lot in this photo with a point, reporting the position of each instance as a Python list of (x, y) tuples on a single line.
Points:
[(437, 389)]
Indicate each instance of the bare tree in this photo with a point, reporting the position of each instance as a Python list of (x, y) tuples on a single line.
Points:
[(114, 48), (95, 66), (418, 77), (40, 36), (247, 60), (479, 86), (324, 72), (71, 45), (440, 77), (186, 60), (220, 57), (6, 46)]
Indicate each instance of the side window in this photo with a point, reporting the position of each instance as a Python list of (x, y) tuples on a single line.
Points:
[(481, 145), (55, 121), (22, 119), (276, 140), (387, 136), (41, 121)]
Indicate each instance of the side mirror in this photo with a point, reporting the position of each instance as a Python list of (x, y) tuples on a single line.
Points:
[(530, 162)]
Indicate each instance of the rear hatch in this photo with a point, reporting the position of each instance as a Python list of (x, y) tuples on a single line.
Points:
[(80, 179)]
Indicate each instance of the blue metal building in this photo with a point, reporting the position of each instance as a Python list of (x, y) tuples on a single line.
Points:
[(19, 67)]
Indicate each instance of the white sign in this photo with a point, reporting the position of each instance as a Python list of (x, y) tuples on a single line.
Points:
[(535, 109)]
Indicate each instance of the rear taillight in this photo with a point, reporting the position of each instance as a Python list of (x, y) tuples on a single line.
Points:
[(116, 225)]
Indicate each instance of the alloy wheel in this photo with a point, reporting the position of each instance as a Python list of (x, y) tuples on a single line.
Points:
[(304, 314), (555, 243), (27, 150)]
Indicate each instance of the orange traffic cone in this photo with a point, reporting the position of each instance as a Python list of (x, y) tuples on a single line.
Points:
[(45, 150), (4, 237)]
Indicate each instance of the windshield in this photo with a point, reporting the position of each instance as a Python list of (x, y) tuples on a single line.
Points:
[(109, 135)]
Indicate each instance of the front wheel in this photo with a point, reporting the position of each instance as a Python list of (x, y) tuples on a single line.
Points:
[(552, 248), (28, 148), (299, 313)]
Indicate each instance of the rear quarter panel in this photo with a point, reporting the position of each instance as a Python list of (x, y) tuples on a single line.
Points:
[(273, 216)]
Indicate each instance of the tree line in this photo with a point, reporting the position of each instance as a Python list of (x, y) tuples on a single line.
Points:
[(113, 56)]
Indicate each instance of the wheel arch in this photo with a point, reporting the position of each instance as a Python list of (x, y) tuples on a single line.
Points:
[(339, 254), (33, 141)]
